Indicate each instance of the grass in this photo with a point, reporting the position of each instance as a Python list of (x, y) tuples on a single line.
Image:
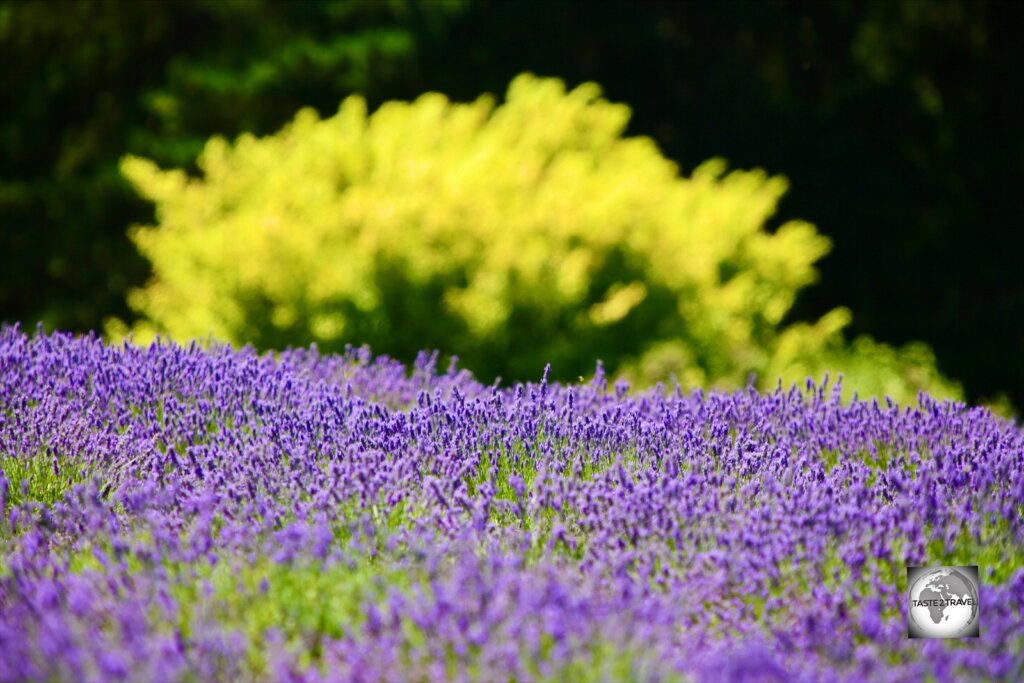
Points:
[(40, 478)]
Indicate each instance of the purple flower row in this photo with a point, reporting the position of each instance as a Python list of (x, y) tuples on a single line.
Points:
[(176, 513)]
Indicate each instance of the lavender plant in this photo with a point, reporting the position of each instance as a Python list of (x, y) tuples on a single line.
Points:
[(176, 514)]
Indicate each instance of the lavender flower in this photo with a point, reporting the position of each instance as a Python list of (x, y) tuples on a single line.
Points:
[(174, 513)]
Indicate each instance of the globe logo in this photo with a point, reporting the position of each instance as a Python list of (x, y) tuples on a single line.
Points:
[(942, 602)]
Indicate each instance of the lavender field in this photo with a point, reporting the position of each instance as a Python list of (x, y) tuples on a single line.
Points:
[(181, 514)]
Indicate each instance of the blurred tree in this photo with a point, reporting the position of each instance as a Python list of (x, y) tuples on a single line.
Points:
[(511, 235), (85, 82)]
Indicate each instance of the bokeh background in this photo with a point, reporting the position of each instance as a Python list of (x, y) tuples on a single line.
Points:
[(897, 125)]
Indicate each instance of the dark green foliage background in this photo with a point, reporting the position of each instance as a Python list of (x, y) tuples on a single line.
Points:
[(898, 123)]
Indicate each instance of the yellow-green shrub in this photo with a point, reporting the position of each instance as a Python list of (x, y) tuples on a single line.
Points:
[(511, 235)]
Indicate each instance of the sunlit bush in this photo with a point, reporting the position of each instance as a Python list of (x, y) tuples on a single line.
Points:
[(511, 235)]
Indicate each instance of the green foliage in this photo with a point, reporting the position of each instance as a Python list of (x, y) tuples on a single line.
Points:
[(511, 235), (39, 478), (869, 368), (993, 547), (305, 601)]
